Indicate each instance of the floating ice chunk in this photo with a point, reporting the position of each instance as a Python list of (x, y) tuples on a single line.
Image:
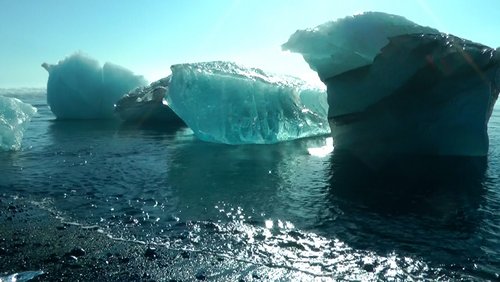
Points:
[(416, 63), (338, 46), (438, 102), (398, 88), (14, 116), (21, 276), (147, 104), (79, 88), (226, 103)]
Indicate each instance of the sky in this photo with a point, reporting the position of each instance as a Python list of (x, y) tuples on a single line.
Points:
[(149, 36)]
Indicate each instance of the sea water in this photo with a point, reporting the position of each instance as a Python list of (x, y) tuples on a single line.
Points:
[(329, 216)]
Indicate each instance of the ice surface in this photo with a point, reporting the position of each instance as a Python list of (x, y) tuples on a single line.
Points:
[(147, 104), (79, 88), (338, 46), (414, 62), (227, 103), (14, 116), (396, 87), (21, 276)]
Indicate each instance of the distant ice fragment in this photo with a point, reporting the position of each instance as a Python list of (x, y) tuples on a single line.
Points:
[(395, 87), (14, 117), (79, 88), (226, 103), (148, 104)]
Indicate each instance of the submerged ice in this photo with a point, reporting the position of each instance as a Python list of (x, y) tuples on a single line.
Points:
[(14, 117), (227, 103), (397, 87), (79, 88)]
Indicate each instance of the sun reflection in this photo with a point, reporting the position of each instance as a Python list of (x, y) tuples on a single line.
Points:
[(269, 224), (322, 151)]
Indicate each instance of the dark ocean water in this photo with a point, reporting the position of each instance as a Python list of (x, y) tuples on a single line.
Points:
[(333, 216)]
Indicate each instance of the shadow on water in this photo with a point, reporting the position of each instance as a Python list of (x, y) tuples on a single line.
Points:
[(429, 185), (155, 126), (75, 128), (249, 177), (92, 128), (428, 207)]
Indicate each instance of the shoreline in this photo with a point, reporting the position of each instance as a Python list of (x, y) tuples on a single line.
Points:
[(33, 239)]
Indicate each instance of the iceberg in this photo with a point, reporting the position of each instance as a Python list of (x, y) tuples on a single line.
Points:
[(148, 105), (223, 102), (395, 87), (79, 88), (14, 117)]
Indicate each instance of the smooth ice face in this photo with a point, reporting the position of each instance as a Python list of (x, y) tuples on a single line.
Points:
[(79, 88), (14, 116), (348, 43), (226, 103)]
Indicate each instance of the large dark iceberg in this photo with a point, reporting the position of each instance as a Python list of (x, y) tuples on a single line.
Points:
[(395, 87)]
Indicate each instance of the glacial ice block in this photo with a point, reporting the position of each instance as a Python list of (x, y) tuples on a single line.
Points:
[(79, 88), (351, 42), (421, 92), (226, 103), (14, 117), (147, 104)]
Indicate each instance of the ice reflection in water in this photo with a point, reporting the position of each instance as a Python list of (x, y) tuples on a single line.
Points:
[(428, 208)]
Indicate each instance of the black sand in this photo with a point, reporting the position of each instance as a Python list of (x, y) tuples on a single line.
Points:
[(33, 239)]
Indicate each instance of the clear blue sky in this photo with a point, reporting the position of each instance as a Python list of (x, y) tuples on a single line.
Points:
[(148, 36)]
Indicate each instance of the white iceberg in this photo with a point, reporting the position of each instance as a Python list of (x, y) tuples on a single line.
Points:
[(397, 87), (79, 88), (14, 117), (226, 103), (351, 42)]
